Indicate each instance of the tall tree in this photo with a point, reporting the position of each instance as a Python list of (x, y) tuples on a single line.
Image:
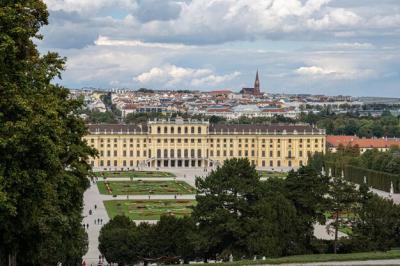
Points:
[(343, 197), (224, 205), (43, 165), (307, 189)]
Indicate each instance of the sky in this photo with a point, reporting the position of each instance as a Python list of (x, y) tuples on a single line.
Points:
[(331, 47)]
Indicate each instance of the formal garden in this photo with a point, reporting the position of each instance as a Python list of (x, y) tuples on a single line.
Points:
[(149, 209), (141, 187), (133, 174), (237, 215)]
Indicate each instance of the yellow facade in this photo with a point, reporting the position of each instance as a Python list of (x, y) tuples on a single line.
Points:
[(194, 143)]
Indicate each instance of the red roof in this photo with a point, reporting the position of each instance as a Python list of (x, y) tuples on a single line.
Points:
[(335, 141), (221, 92), (129, 106)]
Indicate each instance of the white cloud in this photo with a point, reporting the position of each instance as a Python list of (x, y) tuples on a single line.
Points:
[(313, 70), (171, 75), (88, 5), (349, 73), (336, 18), (106, 41), (355, 45)]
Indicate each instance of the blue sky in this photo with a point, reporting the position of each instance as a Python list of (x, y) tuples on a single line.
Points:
[(331, 47)]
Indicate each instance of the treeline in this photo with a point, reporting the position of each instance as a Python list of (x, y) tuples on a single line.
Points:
[(386, 125), (388, 161), (238, 215)]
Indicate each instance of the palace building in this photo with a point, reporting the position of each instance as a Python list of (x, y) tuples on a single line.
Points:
[(193, 143)]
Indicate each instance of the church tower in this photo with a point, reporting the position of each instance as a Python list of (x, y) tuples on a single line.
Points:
[(257, 86)]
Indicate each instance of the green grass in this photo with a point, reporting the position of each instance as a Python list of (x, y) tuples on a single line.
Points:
[(269, 174), (140, 187), (393, 254), (133, 174), (148, 209)]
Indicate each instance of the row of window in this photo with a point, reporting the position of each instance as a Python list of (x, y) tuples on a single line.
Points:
[(210, 140), (179, 130), (252, 153), (185, 153), (132, 163)]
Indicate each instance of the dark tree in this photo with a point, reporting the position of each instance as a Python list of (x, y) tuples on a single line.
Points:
[(377, 226), (119, 241), (343, 197), (43, 165), (224, 207), (307, 188)]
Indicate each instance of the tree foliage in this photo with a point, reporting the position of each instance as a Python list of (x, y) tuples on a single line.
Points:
[(43, 165), (123, 242)]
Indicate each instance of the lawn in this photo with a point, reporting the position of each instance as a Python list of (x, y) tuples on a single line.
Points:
[(149, 209), (140, 187), (393, 254), (133, 174), (269, 174)]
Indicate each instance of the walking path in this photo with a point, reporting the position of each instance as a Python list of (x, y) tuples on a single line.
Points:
[(92, 197)]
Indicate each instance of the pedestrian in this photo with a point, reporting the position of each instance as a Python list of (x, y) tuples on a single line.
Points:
[(90, 212), (95, 206), (94, 221), (101, 221), (149, 196), (87, 226), (175, 196), (98, 220)]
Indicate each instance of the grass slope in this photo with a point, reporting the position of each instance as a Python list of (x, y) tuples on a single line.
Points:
[(393, 254)]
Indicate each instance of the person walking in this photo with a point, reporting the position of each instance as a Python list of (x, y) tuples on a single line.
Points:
[(87, 226), (94, 221)]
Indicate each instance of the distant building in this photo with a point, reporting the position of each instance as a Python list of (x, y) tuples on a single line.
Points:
[(364, 144), (253, 91)]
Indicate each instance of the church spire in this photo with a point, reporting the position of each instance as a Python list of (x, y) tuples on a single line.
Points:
[(257, 85)]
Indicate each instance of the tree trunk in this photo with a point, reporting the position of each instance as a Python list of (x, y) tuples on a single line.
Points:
[(12, 259), (336, 232)]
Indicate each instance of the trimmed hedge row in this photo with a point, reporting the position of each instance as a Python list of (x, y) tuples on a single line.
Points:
[(376, 179)]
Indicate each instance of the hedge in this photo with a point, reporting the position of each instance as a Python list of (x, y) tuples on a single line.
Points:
[(375, 179)]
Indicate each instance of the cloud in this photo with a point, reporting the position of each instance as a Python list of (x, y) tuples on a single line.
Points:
[(171, 75), (337, 18), (88, 5), (322, 46), (355, 45), (317, 72), (106, 41)]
